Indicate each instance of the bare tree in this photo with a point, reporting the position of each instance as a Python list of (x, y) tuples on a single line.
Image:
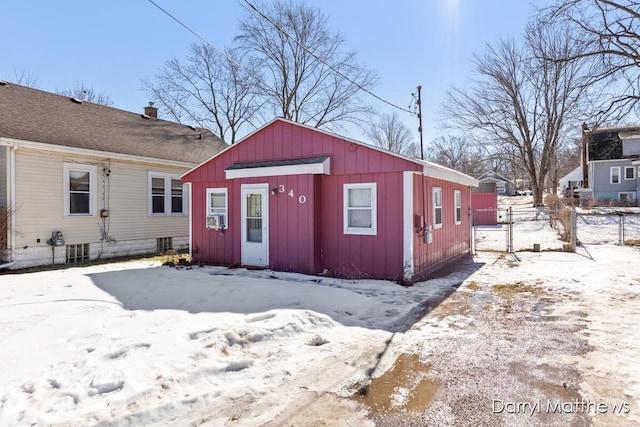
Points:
[(609, 34), (207, 89), (392, 135), (308, 75), (458, 153), (25, 78), (86, 93), (521, 101)]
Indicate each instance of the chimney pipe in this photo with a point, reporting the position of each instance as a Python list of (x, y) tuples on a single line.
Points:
[(151, 111)]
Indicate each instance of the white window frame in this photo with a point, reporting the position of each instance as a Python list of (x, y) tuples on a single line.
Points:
[(167, 177), (633, 169), (434, 191), (611, 174), (93, 188), (210, 208), (370, 231), (457, 202), (630, 194)]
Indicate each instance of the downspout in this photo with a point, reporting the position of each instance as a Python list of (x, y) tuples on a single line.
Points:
[(11, 176)]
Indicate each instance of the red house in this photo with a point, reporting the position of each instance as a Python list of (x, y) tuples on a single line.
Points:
[(294, 198)]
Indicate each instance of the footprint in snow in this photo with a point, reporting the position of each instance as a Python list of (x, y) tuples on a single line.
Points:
[(106, 383)]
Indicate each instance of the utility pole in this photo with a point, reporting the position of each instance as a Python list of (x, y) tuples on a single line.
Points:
[(419, 103)]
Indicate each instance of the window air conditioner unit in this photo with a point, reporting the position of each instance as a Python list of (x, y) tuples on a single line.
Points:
[(215, 221)]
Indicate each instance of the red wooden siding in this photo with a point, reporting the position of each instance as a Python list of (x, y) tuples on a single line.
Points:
[(378, 256), (308, 236), (451, 239), (485, 206)]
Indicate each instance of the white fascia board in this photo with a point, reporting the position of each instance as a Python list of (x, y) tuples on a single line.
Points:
[(436, 171), (54, 148), (310, 168)]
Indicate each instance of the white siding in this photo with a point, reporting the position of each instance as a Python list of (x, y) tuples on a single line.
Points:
[(4, 167), (40, 210)]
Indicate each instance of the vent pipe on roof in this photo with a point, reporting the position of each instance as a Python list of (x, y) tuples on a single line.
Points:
[(151, 111)]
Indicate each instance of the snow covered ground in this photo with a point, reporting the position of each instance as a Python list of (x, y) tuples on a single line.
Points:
[(140, 344)]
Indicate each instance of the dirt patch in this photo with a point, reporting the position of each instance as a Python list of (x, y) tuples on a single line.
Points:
[(509, 290), (403, 391)]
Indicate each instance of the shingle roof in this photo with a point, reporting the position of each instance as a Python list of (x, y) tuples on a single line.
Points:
[(605, 143), (34, 115)]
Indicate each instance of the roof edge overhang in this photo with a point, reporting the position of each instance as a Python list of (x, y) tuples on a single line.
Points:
[(314, 166), (441, 172), (63, 149)]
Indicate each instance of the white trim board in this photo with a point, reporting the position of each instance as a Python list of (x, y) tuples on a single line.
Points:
[(309, 168)]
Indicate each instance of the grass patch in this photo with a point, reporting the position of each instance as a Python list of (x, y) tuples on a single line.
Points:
[(473, 286), (632, 242), (508, 290)]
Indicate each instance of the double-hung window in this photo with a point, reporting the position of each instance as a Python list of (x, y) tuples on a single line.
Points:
[(217, 208), (614, 175), (457, 198), (629, 172), (80, 188), (166, 195), (437, 207), (360, 211)]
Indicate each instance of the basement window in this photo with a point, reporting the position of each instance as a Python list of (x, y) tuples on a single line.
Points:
[(164, 244), (77, 253)]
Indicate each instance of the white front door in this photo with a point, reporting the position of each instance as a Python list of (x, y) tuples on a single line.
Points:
[(255, 225)]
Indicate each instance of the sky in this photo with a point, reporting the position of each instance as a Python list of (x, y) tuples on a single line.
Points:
[(112, 46)]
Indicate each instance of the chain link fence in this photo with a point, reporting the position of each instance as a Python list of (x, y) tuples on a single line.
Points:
[(525, 228), (608, 227), (552, 228)]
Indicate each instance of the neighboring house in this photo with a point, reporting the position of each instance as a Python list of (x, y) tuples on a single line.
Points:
[(613, 163), (294, 198), (493, 181), (572, 180), (84, 181)]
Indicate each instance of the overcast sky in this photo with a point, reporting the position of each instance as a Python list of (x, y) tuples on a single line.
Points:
[(112, 45)]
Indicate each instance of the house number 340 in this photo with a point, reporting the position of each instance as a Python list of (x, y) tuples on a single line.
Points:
[(291, 193)]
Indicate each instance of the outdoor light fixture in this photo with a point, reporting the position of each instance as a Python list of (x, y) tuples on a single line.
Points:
[(274, 191)]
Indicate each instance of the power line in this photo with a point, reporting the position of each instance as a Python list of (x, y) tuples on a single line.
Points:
[(338, 72), (220, 51)]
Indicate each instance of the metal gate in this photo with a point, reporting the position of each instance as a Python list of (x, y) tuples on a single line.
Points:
[(492, 230)]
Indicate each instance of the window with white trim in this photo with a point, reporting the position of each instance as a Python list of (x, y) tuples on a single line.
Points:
[(629, 172), (166, 194), (614, 175), (457, 198), (626, 196), (437, 207), (360, 211), (80, 187), (217, 205)]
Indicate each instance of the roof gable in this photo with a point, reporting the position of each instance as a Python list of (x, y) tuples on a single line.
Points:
[(291, 140), (33, 115)]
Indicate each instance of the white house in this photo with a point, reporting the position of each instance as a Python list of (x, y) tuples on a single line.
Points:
[(80, 181)]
